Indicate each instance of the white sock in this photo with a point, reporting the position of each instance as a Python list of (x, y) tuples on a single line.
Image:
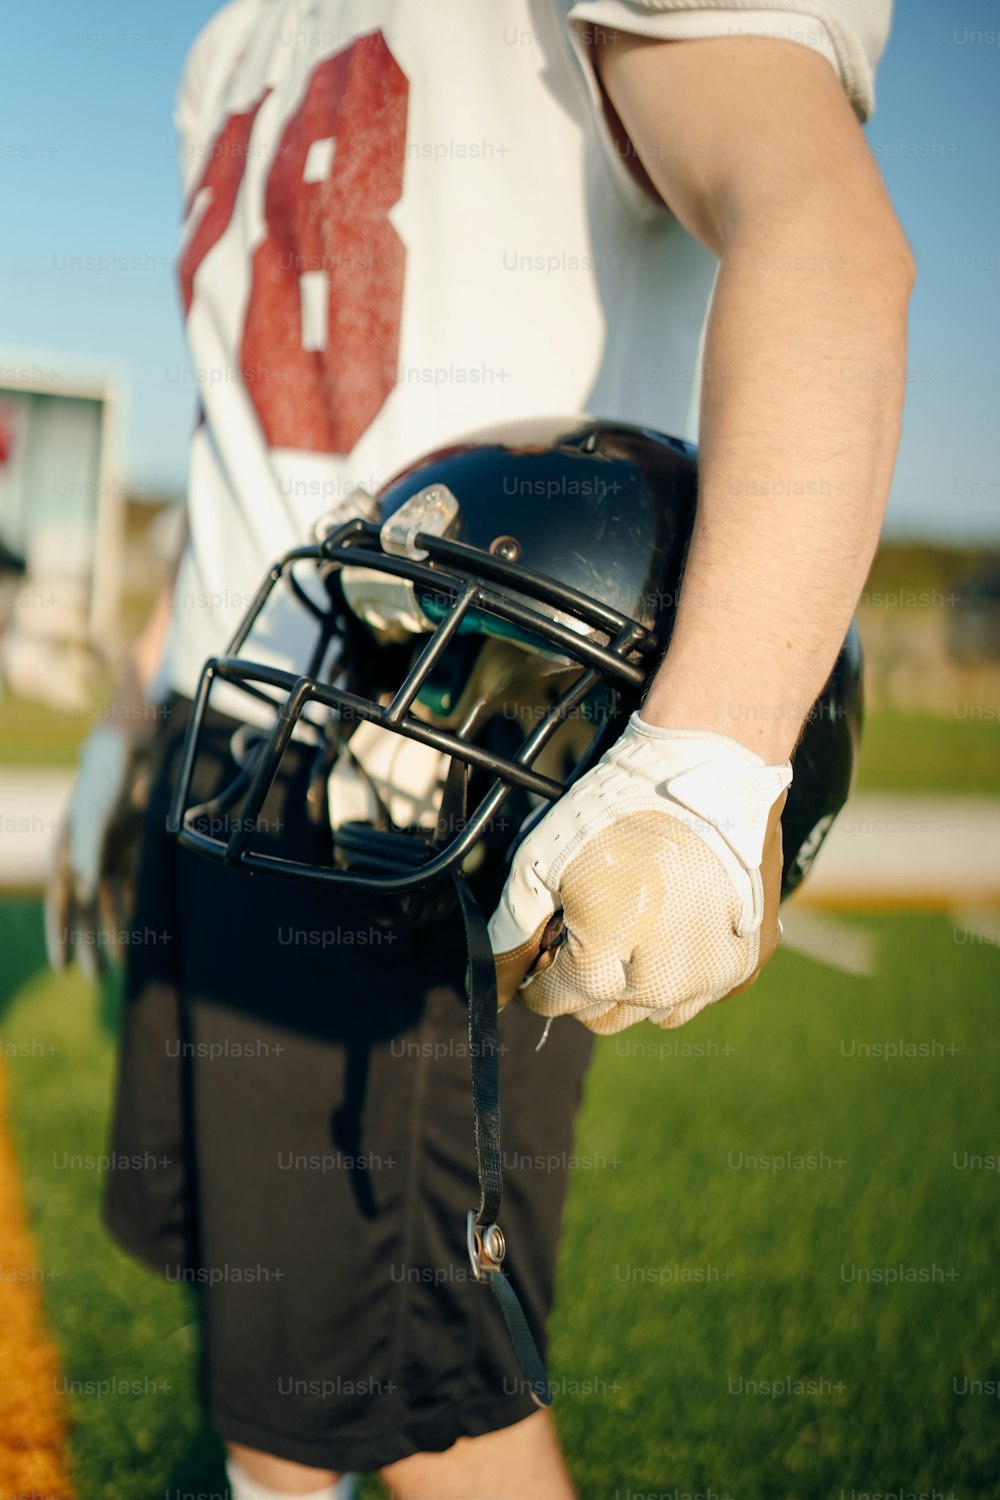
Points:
[(243, 1487)]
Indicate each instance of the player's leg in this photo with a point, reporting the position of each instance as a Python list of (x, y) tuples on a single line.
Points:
[(313, 1107), (253, 1474), (522, 1462)]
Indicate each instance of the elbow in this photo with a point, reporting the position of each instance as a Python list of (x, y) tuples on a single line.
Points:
[(882, 283), (890, 261), (853, 238)]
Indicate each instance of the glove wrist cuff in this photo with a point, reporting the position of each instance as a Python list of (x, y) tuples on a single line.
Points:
[(718, 780), (705, 738)]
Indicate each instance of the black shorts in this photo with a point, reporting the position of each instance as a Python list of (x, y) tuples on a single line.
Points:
[(294, 1137)]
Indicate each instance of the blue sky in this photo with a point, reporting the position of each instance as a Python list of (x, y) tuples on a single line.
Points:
[(88, 169)]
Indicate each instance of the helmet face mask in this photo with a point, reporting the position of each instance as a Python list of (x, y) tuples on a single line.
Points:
[(419, 708), (506, 614)]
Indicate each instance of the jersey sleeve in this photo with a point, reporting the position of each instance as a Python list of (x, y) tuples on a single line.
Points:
[(850, 34)]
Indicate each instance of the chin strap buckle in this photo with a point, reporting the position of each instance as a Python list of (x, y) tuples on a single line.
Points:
[(487, 1247)]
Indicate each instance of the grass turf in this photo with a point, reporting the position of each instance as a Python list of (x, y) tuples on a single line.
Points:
[(913, 753), (687, 1272)]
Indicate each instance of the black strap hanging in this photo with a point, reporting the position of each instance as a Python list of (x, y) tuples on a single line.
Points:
[(485, 1238)]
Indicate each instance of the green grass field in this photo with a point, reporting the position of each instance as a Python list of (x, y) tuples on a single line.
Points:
[(916, 753), (687, 1272)]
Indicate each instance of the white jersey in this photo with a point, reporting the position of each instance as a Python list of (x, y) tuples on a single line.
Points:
[(404, 221)]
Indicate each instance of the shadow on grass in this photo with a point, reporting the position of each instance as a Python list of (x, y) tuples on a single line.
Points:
[(202, 1470), (22, 944)]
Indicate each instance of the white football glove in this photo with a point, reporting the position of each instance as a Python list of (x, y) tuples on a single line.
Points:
[(664, 861), (88, 899)]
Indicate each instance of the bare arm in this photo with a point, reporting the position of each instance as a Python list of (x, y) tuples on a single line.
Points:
[(755, 148)]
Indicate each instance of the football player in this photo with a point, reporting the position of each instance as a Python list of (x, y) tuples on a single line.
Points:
[(402, 223)]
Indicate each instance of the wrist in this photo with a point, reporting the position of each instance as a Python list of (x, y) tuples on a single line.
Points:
[(691, 743), (767, 729), (724, 792)]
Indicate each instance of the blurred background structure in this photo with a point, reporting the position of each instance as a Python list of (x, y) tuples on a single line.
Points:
[(734, 1274), (61, 530)]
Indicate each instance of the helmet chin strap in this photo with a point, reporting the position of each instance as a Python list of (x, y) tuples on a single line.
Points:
[(486, 1243), (484, 1237)]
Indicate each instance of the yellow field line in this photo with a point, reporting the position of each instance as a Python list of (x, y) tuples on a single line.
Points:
[(942, 901), (32, 1422)]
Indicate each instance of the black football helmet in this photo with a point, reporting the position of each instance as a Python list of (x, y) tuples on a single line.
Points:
[(503, 601), (502, 605)]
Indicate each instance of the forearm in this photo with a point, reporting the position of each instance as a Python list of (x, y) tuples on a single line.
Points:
[(756, 150), (804, 372)]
